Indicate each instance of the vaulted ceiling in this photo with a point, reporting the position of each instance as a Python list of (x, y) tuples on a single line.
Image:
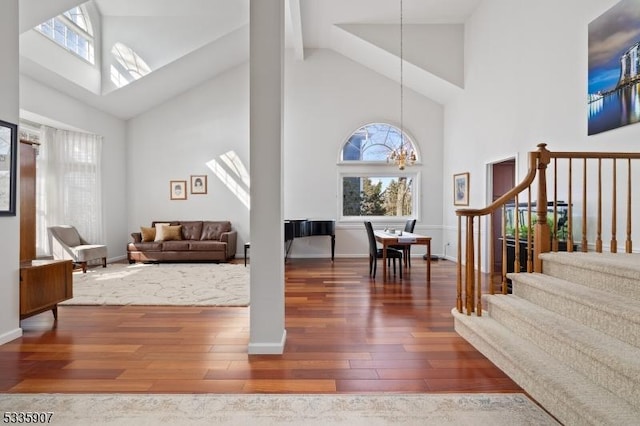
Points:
[(188, 42)]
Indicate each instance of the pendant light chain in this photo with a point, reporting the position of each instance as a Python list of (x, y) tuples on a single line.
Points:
[(402, 156), (401, 77)]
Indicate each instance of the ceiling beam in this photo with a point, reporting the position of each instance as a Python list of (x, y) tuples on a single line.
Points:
[(296, 26)]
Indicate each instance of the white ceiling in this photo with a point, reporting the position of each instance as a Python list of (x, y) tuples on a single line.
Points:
[(190, 41)]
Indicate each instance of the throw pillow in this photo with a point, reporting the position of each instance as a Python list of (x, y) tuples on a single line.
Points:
[(172, 232), (148, 234), (160, 231)]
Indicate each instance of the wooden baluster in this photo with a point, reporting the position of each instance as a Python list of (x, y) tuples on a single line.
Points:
[(516, 260), (554, 229), (570, 211), (459, 269), (614, 241), (542, 236), (529, 233), (479, 270), (504, 249), (628, 244), (599, 210), (491, 254), (470, 258), (584, 206)]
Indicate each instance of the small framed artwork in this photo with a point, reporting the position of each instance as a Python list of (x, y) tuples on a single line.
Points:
[(178, 189), (461, 189), (198, 184)]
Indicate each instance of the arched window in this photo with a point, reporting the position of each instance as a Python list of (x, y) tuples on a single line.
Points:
[(371, 187), (374, 142), (73, 31), (129, 65)]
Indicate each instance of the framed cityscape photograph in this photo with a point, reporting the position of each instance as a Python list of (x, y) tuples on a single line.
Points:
[(613, 71)]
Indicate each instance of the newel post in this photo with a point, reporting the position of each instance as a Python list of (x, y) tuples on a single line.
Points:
[(542, 232)]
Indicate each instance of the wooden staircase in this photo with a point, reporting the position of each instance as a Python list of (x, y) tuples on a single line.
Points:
[(570, 336)]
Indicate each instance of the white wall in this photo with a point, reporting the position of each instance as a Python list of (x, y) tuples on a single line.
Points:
[(327, 97), (39, 100), (526, 83), (9, 225), (177, 139)]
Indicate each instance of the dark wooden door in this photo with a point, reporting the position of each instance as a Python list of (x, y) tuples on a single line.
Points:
[(504, 178), (27, 201)]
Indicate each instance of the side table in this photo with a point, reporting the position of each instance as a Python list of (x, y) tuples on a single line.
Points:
[(44, 284)]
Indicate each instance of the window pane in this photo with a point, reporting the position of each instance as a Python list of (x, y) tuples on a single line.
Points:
[(377, 196), (72, 41), (76, 15), (59, 32), (374, 142), (46, 28)]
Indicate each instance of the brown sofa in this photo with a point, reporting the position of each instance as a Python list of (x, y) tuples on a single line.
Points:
[(187, 241)]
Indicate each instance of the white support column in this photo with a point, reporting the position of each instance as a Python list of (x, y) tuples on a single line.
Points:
[(267, 334), (10, 225)]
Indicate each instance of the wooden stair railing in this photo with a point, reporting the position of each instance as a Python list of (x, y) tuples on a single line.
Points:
[(542, 233)]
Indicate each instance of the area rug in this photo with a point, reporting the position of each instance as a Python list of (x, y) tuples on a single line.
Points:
[(179, 284), (274, 410)]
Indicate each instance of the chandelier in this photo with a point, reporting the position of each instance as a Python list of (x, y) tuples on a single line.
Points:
[(403, 155)]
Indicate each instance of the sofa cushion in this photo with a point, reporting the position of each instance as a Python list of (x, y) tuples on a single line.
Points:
[(159, 230), (212, 230), (148, 233), (151, 246), (182, 245), (172, 233), (208, 245), (191, 230)]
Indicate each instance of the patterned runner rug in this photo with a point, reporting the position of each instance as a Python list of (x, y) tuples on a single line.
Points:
[(272, 410), (177, 284)]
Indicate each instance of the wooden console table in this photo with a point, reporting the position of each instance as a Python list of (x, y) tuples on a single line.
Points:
[(44, 284)]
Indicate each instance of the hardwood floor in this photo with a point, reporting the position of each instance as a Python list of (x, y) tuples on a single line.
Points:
[(346, 333)]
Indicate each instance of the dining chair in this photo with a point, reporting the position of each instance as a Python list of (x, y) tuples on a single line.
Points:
[(375, 253), (409, 226)]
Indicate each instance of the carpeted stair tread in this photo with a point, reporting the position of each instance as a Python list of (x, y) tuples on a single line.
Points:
[(571, 397), (610, 362), (618, 317), (617, 273)]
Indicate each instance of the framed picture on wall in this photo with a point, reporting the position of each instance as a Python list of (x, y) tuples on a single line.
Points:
[(613, 72), (198, 184), (461, 189), (178, 189), (8, 166)]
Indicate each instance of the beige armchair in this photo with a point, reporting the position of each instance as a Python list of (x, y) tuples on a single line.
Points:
[(66, 243)]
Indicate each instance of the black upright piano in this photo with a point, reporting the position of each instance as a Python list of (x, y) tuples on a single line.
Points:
[(296, 228)]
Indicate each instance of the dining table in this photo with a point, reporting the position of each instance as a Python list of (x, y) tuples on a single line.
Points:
[(398, 238)]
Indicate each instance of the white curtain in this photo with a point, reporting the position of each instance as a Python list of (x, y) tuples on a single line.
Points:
[(69, 187)]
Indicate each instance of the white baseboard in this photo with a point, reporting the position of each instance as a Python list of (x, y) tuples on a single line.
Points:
[(275, 348), (11, 335)]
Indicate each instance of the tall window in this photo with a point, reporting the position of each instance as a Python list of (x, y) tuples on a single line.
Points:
[(68, 188), (71, 30), (370, 187)]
